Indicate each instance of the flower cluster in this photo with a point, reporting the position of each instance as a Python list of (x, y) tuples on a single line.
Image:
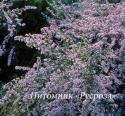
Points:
[(83, 52)]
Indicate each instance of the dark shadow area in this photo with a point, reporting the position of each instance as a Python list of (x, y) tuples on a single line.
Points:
[(3, 33), (21, 55), (25, 56), (33, 20)]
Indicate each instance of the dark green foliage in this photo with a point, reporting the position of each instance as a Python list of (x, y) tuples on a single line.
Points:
[(68, 1), (114, 1), (2, 91), (40, 4), (117, 114)]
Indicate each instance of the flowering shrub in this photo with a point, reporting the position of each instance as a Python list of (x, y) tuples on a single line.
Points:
[(83, 52)]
